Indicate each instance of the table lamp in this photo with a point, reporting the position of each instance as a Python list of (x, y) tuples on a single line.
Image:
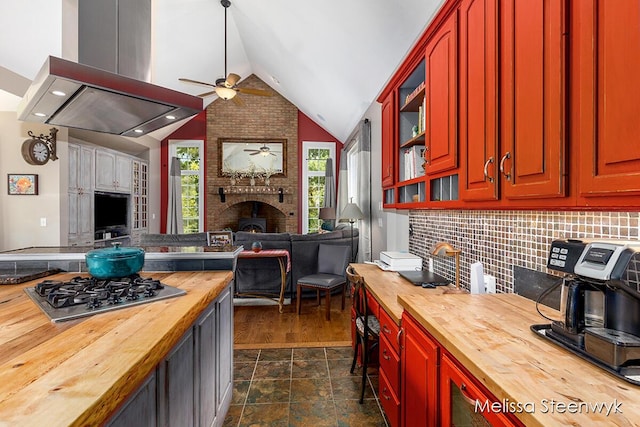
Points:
[(351, 213), (444, 249), (327, 215)]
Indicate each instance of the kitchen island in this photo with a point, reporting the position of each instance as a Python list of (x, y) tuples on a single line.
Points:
[(82, 372), (532, 381)]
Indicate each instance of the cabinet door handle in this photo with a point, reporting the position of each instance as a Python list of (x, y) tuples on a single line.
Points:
[(464, 395), (384, 389), (504, 158), (386, 330), (486, 166), (385, 356), (400, 331)]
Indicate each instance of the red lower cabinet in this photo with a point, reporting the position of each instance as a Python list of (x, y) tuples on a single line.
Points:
[(419, 376), (389, 400), (462, 402)]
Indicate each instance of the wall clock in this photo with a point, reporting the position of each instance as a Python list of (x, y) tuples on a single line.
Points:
[(39, 149)]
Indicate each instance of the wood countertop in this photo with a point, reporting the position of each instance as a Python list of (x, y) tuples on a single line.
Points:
[(78, 372), (490, 336)]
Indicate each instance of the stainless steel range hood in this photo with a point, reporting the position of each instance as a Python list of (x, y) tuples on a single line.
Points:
[(65, 93)]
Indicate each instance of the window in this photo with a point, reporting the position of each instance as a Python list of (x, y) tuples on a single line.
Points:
[(314, 181), (191, 155)]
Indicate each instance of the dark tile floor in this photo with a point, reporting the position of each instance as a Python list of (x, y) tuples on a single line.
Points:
[(301, 387)]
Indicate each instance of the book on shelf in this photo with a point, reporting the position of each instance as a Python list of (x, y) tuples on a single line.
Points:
[(412, 162), (413, 94)]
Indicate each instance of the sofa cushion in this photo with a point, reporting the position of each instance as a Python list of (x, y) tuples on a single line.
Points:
[(316, 236)]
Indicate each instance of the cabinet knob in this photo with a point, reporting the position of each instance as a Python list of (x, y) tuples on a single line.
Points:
[(504, 158), (486, 166)]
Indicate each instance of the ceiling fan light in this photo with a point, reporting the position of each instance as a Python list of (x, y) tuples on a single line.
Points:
[(225, 93)]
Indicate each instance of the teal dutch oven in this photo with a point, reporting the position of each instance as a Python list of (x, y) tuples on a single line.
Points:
[(111, 263)]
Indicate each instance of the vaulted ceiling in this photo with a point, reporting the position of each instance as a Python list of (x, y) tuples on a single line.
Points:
[(330, 58)]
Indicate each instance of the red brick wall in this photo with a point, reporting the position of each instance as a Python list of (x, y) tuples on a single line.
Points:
[(261, 117)]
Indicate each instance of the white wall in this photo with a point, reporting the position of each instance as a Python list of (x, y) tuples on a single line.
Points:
[(390, 227), (20, 215)]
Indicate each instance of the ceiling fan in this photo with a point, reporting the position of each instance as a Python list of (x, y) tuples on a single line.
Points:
[(264, 151), (226, 88)]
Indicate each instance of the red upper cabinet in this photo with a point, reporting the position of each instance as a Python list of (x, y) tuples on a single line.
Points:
[(533, 98), (478, 100), (441, 98), (388, 140), (607, 52)]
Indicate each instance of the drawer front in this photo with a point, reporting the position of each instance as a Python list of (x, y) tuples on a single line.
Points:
[(372, 305), (390, 330), (389, 401), (390, 364)]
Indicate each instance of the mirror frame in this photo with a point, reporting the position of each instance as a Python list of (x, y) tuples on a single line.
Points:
[(272, 143)]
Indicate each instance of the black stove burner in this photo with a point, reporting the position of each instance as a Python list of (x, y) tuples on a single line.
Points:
[(94, 292)]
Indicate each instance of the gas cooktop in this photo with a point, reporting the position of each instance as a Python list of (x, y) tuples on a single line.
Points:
[(84, 296)]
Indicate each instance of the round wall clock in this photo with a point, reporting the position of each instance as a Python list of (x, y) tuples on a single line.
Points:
[(35, 151)]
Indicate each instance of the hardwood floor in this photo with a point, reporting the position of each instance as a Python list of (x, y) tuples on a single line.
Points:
[(258, 327)]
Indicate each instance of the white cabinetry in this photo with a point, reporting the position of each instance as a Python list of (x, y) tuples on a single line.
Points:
[(113, 171), (80, 191), (139, 200)]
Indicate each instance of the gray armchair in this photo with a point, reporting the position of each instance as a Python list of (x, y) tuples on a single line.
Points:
[(331, 274)]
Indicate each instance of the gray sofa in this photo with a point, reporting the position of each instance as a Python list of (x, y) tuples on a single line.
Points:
[(260, 275)]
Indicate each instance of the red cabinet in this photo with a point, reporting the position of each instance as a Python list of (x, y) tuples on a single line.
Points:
[(388, 141), (607, 55), (463, 402), (389, 360), (478, 108), (441, 138), (533, 102), (419, 376)]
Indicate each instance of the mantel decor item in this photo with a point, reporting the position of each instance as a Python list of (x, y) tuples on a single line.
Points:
[(22, 184), (256, 246)]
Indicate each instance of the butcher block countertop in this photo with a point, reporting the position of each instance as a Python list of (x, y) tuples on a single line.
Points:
[(490, 336), (78, 372)]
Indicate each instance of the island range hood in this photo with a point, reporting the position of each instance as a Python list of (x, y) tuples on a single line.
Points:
[(65, 93)]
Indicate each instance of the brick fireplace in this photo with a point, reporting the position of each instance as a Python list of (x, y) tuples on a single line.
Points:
[(259, 118)]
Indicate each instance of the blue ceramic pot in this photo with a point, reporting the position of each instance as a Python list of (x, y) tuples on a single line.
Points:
[(256, 246), (111, 263)]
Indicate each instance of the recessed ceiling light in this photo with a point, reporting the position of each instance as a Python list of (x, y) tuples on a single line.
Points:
[(275, 80), (40, 114), (138, 131), (58, 93), (320, 117), (170, 117)]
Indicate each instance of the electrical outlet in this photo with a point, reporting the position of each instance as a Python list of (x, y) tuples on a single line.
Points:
[(43, 222), (489, 284)]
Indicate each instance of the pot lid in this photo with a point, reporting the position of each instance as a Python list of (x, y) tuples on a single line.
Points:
[(115, 252)]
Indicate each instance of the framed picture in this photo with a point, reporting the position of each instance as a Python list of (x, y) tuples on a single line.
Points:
[(220, 239), (22, 184)]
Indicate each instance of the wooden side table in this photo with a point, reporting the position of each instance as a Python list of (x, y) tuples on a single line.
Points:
[(284, 260)]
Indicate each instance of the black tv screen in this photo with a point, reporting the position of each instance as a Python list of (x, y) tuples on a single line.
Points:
[(111, 210)]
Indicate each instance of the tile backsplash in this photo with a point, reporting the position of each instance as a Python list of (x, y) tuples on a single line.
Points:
[(501, 240)]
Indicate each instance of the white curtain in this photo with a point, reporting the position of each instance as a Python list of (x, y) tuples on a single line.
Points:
[(174, 205)]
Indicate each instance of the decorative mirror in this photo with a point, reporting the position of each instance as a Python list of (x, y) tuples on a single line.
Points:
[(244, 156)]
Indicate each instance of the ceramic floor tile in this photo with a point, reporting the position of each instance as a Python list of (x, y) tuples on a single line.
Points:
[(280, 370), (345, 388), (351, 413), (269, 391), (340, 368), (309, 369), (233, 416), (245, 355), (310, 389), (240, 389), (276, 354), (314, 413), (339, 353), (243, 371), (309, 353), (267, 415)]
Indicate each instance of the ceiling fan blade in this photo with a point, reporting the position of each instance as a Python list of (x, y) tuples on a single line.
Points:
[(250, 91), (196, 82), (207, 93), (232, 80), (254, 154), (271, 154), (252, 151), (238, 101)]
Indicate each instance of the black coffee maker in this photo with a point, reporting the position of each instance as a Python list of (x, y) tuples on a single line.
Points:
[(600, 303)]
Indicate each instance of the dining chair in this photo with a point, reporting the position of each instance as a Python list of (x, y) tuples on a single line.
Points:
[(367, 326)]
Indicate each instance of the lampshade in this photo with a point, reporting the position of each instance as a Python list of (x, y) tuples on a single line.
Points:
[(351, 212), (225, 93), (327, 213), (441, 249)]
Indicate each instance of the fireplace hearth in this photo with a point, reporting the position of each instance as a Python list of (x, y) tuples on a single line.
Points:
[(256, 225)]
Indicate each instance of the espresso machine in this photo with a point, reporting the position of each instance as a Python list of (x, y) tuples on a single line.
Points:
[(600, 303)]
